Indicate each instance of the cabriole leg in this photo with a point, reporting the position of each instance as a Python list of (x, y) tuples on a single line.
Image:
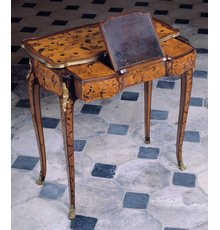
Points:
[(67, 108), (34, 98), (186, 86), (147, 109)]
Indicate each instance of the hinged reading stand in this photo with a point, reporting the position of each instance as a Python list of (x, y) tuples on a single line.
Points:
[(131, 39)]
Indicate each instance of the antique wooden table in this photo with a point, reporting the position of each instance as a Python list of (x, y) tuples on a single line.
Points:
[(74, 64)]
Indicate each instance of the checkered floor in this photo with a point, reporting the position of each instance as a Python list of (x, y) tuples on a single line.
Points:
[(121, 183), (36, 18)]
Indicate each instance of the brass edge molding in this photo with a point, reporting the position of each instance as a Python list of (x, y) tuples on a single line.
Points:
[(169, 37), (65, 96), (29, 73), (59, 66)]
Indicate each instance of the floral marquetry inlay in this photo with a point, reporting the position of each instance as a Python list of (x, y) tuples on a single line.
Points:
[(68, 46), (92, 70), (78, 44), (174, 48)]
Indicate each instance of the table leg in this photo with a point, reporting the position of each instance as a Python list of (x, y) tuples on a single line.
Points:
[(34, 98), (147, 109), (186, 86), (67, 127)]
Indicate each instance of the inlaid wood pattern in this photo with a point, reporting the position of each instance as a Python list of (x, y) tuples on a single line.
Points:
[(186, 87), (67, 128), (71, 45), (79, 43), (49, 79), (91, 71), (34, 99), (144, 73), (180, 65)]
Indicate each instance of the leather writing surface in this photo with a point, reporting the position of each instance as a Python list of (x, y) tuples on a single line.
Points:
[(131, 39)]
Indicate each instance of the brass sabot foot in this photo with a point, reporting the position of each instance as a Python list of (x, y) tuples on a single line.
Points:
[(181, 165), (147, 140), (40, 181), (71, 213)]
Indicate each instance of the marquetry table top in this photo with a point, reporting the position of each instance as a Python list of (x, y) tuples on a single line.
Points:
[(79, 45)]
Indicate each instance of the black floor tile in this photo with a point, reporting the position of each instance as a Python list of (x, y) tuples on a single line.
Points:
[(24, 61), (71, 7), (191, 136), (59, 23), (43, 13), (171, 78), (200, 74), (148, 153), (29, 5), (28, 29), (196, 101), (83, 223), (50, 123), (161, 12), (23, 103), (205, 1), (141, 3), (202, 31), (186, 6), (118, 129), (15, 48), (89, 16), (204, 15), (129, 96), (25, 162), (159, 115), (103, 170), (19, 73), (14, 85), (91, 109), (56, 0), (135, 200), (201, 51), (79, 145), (98, 1), (184, 179), (165, 84), (182, 21), (114, 9), (15, 20), (206, 102), (52, 191)]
